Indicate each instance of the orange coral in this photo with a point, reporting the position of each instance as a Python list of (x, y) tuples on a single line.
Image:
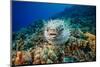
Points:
[(90, 36), (19, 59)]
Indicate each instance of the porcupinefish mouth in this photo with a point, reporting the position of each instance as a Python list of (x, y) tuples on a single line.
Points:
[(53, 35)]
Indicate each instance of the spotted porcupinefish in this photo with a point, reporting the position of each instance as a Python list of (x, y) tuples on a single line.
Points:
[(56, 32)]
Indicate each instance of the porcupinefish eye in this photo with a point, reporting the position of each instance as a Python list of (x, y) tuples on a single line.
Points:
[(60, 28), (48, 28)]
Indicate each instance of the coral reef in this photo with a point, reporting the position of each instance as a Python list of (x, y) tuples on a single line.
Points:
[(35, 49)]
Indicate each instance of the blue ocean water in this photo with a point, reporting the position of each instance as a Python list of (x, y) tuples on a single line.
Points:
[(24, 13)]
